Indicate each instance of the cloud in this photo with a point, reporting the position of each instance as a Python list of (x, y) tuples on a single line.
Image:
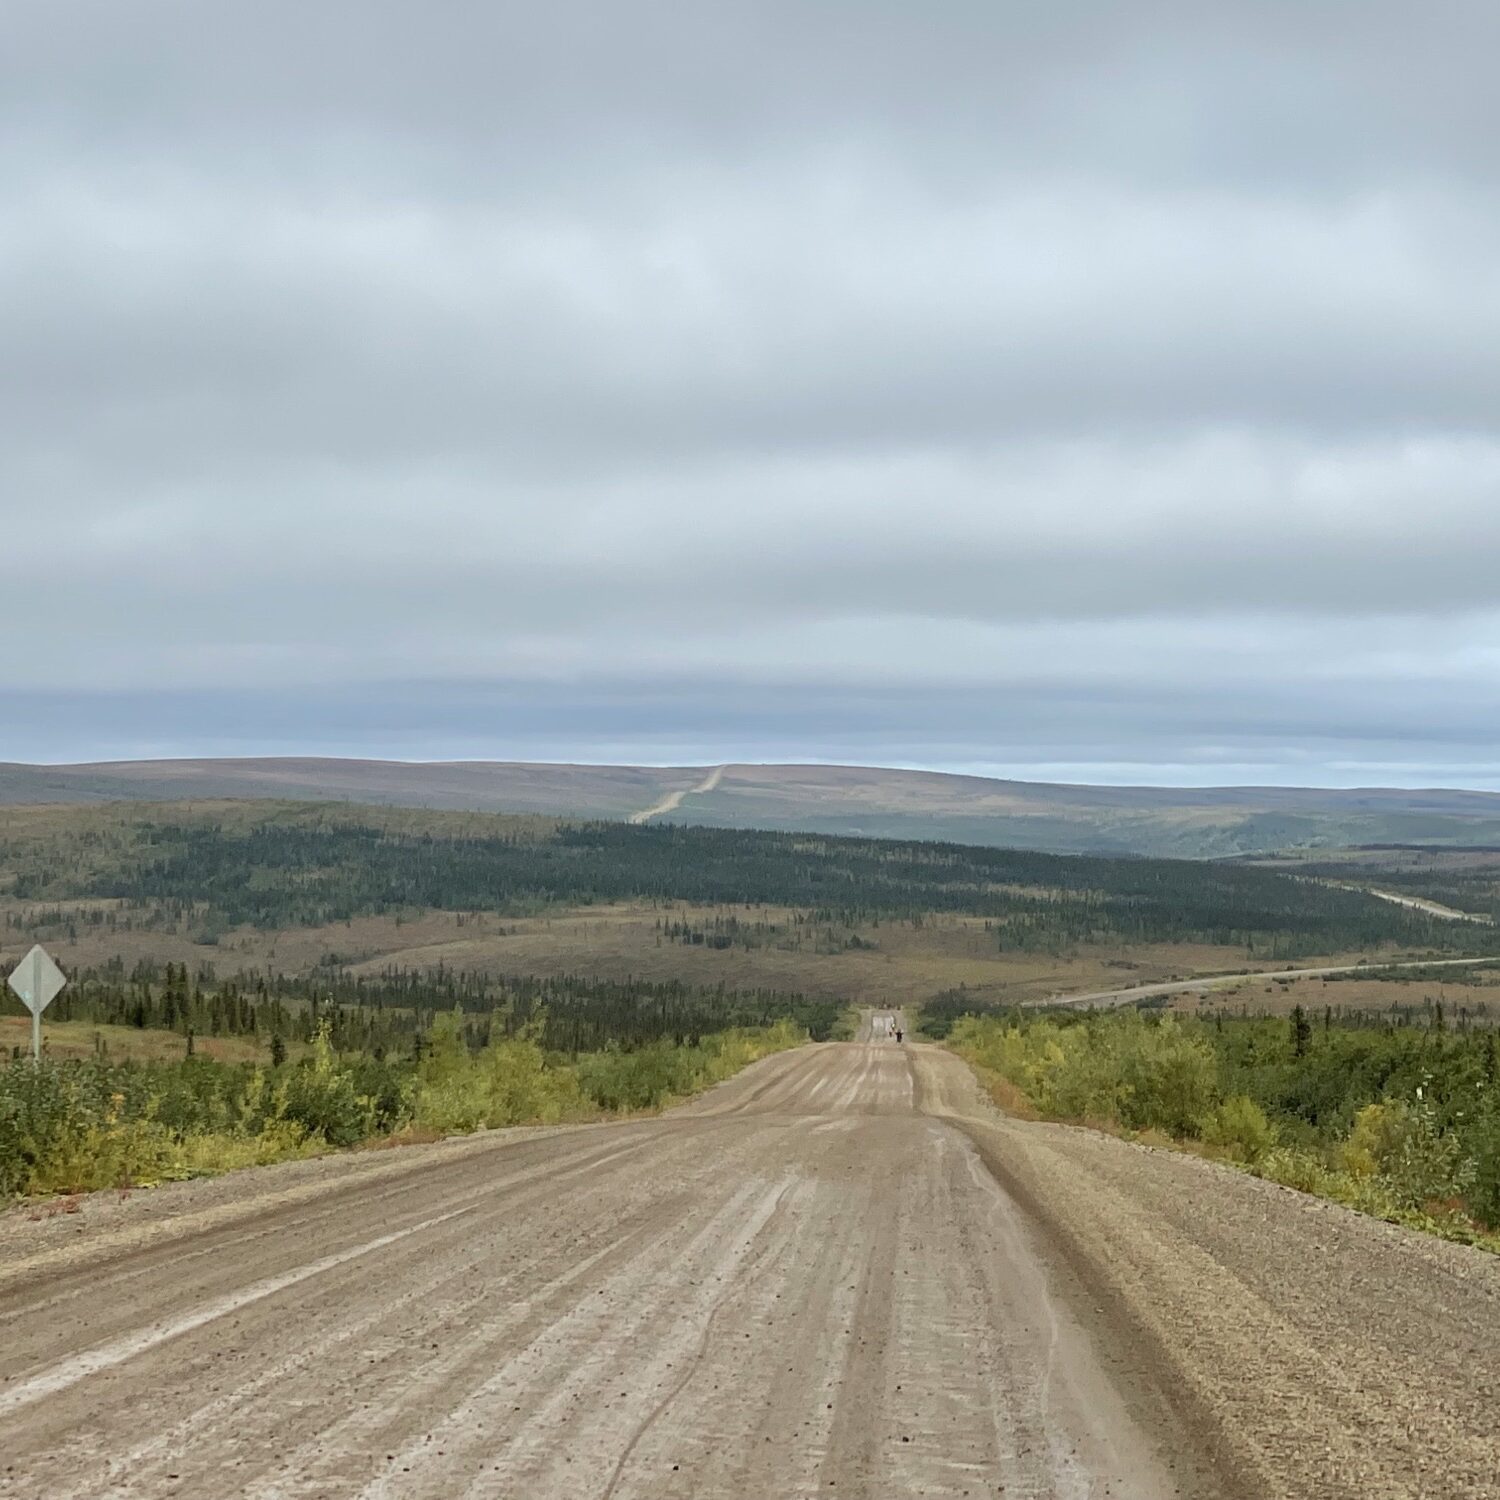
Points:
[(1138, 359)]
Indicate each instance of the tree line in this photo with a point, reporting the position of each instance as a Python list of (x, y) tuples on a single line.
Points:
[(337, 864), (393, 1012)]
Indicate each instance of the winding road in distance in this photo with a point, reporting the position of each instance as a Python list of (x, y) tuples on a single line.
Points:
[(840, 1274), (1105, 998), (673, 800)]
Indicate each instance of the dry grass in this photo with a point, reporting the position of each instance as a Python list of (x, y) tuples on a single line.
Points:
[(905, 965), (1349, 994), (77, 1039), (1006, 1095)]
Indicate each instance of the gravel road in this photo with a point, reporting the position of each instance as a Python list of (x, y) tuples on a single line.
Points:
[(673, 800), (1103, 999), (840, 1274)]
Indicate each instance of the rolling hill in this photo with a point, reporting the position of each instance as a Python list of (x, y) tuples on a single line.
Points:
[(871, 801)]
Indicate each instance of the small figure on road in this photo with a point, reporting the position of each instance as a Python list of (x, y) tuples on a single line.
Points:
[(899, 1034)]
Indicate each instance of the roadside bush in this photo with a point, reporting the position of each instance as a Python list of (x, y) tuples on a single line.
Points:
[(1484, 1188), (639, 1079), (76, 1126), (1169, 1076), (1334, 1119), (1400, 1143), (1304, 1170), (196, 1095), (387, 1087), (520, 1087), (509, 1083), (648, 1077), (37, 1105), (1147, 1074), (1077, 1074), (73, 1127), (319, 1095), (1239, 1128)]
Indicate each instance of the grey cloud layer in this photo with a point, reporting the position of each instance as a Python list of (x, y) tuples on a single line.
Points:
[(1143, 355)]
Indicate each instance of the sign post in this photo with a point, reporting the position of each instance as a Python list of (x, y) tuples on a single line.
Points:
[(36, 979)]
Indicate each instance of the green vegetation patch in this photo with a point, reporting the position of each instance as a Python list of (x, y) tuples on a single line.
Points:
[(279, 868), (394, 1011), (76, 1126), (1395, 1121)]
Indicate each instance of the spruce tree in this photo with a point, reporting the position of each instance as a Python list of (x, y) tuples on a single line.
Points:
[(1301, 1032)]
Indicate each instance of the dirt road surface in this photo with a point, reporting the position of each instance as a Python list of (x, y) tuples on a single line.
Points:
[(1432, 908), (841, 1274), (1102, 999), (673, 800)]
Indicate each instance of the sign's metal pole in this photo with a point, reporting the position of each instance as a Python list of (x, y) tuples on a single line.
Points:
[(36, 1036)]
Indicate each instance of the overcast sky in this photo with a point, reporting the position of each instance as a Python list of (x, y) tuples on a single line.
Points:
[(1078, 390)]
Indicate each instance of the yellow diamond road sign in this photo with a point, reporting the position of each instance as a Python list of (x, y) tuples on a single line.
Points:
[(37, 980)]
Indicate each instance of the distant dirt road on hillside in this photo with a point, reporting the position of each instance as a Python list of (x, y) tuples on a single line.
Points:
[(673, 800), (840, 1274), (1103, 999), (1432, 908)]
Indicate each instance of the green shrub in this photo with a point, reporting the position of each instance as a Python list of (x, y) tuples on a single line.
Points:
[(509, 1083), (80, 1125), (1239, 1128), (1323, 1113), (1078, 1075), (639, 1079), (1145, 1073), (1400, 1143), (1170, 1077), (649, 1077), (319, 1095), (1484, 1187), (37, 1106)]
